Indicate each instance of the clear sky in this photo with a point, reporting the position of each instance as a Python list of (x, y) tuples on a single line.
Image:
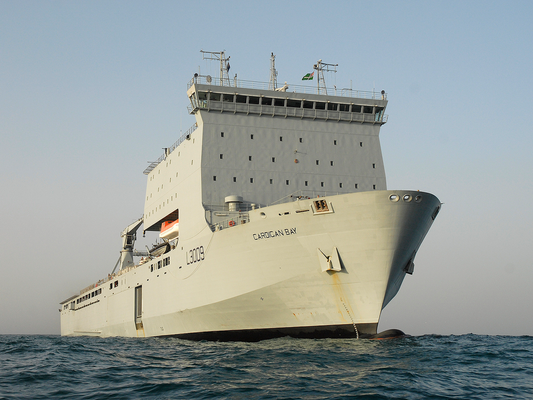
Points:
[(91, 91)]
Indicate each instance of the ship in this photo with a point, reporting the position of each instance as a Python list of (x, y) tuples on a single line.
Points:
[(271, 216)]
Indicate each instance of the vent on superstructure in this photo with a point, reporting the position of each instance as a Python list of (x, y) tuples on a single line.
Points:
[(321, 206)]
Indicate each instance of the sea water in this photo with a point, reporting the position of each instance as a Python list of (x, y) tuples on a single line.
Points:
[(421, 367)]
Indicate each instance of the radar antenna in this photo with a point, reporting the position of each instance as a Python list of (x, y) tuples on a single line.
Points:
[(321, 67), (273, 84), (224, 63)]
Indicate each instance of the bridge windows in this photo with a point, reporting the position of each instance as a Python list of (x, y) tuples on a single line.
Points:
[(294, 103)]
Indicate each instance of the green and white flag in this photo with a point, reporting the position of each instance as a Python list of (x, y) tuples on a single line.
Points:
[(308, 77)]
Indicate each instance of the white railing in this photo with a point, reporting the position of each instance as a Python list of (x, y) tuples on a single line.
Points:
[(183, 137), (240, 83)]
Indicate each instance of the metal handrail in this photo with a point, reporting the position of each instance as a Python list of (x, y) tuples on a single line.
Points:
[(240, 83), (186, 135)]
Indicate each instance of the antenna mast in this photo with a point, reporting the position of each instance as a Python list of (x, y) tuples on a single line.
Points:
[(224, 63), (273, 73), (321, 67)]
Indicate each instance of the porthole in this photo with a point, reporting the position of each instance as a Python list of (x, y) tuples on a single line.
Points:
[(418, 199), (394, 197), (407, 198), (262, 214)]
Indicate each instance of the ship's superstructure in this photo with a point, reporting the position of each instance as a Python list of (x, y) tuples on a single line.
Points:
[(275, 219)]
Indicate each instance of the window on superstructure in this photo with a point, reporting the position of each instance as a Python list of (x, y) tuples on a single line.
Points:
[(374, 166), (281, 138), (234, 179), (321, 184), (240, 99), (252, 136), (294, 103), (379, 113), (301, 140), (344, 107), (266, 101), (335, 143), (221, 134), (273, 159), (214, 96), (279, 102), (251, 180), (331, 163), (356, 108), (320, 106), (333, 106), (249, 158), (340, 185), (305, 183), (374, 186), (221, 156), (253, 100), (360, 144), (111, 285), (287, 182), (367, 109), (317, 162), (307, 104), (214, 177), (159, 265), (271, 181), (228, 98), (116, 283)]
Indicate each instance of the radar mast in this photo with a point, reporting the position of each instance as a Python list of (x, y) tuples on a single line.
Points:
[(321, 67), (273, 84), (224, 64)]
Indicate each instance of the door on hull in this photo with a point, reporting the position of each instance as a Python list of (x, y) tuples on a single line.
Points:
[(138, 306)]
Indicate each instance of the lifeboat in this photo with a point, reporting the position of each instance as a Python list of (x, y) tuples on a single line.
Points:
[(169, 230)]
